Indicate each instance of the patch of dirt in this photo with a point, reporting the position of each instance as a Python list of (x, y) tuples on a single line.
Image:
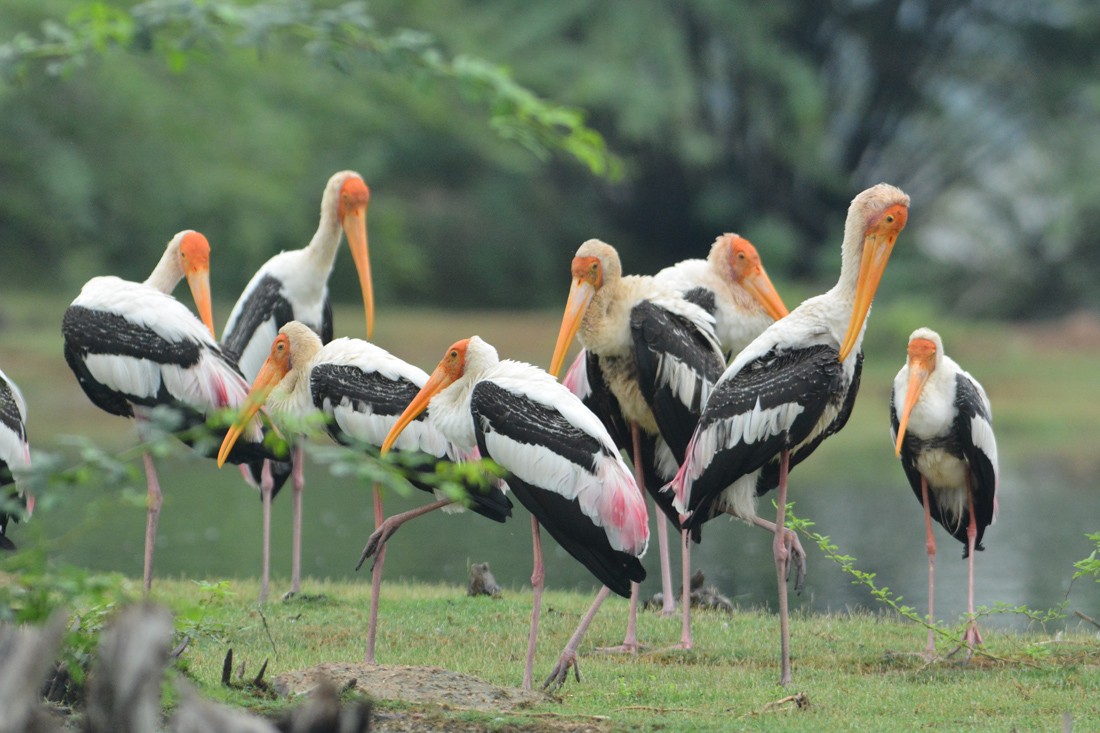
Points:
[(416, 685), (438, 691)]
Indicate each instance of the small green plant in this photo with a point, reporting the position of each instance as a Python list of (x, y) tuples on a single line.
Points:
[(1091, 564)]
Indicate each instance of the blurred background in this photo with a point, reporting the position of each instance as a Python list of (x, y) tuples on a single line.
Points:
[(122, 123)]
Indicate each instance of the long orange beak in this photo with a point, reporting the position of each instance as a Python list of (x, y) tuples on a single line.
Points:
[(439, 380), (198, 280), (920, 368), (580, 295), (355, 229), (759, 286), (878, 243), (271, 373)]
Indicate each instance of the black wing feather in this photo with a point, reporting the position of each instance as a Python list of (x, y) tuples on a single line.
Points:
[(495, 409), (658, 335), (810, 377)]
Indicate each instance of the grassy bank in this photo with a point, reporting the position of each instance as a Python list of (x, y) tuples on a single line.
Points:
[(853, 672)]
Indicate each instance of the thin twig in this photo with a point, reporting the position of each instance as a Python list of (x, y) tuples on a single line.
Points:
[(1092, 621), (267, 630)]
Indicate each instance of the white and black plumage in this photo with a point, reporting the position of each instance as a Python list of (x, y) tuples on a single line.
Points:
[(134, 348), (15, 456), (944, 437), (362, 390), (788, 390), (732, 285), (293, 286), (560, 461), (650, 360)]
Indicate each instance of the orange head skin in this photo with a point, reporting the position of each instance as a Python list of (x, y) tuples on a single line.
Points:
[(587, 275), (922, 362), (352, 213), (878, 242), (277, 365), (450, 369), (749, 271), (194, 255)]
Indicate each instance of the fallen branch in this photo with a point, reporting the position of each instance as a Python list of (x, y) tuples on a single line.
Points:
[(1092, 621)]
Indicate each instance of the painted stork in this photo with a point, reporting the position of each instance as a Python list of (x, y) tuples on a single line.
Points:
[(293, 286), (560, 461), (651, 359), (944, 437), (15, 456), (134, 348), (361, 389), (788, 390)]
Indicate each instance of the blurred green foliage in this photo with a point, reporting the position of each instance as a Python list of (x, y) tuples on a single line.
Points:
[(122, 123)]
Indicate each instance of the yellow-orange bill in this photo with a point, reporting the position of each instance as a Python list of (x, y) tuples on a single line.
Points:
[(759, 286), (580, 295), (439, 380), (199, 283), (355, 228), (269, 376), (878, 243)]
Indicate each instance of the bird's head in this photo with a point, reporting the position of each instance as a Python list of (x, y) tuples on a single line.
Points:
[(746, 269), (594, 265), (194, 259), (924, 353), (274, 369), (450, 369), (875, 219)]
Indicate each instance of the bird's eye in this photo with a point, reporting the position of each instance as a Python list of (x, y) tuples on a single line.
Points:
[(890, 219), (740, 255), (454, 354)]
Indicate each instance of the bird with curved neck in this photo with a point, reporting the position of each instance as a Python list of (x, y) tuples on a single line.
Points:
[(942, 425), (732, 285), (361, 389), (561, 464), (789, 389), (293, 286), (651, 358), (133, 347)]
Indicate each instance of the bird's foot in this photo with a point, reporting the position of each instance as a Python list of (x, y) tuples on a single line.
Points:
[(376, 542), (560, 673), (289, 594), (670, 610), (796, 558), (971, 639)]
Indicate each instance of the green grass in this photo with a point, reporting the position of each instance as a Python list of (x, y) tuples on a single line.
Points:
[(856, 671)]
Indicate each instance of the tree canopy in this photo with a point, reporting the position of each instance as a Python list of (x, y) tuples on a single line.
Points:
[(124, 123)]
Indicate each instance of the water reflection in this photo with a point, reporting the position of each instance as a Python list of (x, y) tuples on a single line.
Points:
[(210, 527)]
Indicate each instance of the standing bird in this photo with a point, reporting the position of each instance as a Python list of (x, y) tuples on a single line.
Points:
[(293, 286), (361, 389), (134, 348), (944, 437), (651, 360), (787, 391), (15, 454), (560, 462)]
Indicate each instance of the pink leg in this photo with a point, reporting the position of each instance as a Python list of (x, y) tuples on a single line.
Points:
[(930, 547), (685, 591), (297, 479), (568, 657), (375, 580), (151, 517), (266, 486), (536, 584), (668, 605), (781, 554), (386, 529), (973, 636)]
